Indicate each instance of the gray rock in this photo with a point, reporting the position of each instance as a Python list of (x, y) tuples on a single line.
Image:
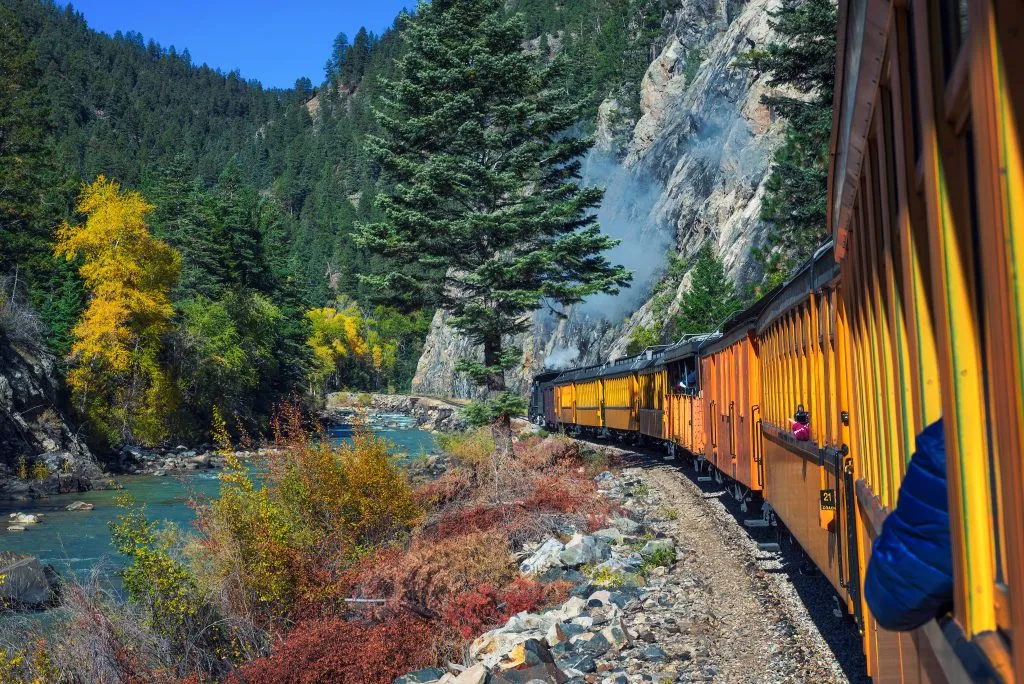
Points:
[(79, 506), (626, 525), (611, 535), (24, 582), (653, 654), (656, 545), (543, 558), (428, 674)]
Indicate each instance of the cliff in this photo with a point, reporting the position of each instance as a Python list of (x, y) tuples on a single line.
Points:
[(690, 170), (34, 431)]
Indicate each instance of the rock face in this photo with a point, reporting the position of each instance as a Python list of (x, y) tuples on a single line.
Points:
[(694, 167), (33, 427)]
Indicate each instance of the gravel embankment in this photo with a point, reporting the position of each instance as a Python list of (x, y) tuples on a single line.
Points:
[(674, 590)]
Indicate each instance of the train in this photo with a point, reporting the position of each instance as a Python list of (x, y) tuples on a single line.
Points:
[(914, 310)]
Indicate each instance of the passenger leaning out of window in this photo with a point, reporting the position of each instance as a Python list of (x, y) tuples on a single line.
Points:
[(801, 424)]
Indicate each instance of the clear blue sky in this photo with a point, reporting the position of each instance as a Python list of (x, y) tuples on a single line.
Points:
[(274, 42)]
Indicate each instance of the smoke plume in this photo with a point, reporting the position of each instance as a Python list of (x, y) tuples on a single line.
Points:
[(627, 214)]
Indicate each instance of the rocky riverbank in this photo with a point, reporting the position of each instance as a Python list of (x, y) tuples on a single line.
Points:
[(670, 591), (40, 450), (430, 414)]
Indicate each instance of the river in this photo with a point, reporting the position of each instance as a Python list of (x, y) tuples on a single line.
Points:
[(76, 543)]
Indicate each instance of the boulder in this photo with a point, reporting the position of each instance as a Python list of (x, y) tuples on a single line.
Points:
[(610, 535), (583, 550), (657, 545), (527, 662), (427, 674), (543, 558), (592, 643), (24, 582), (79, 506), (474, 675), (561, 632), (626, 525), (615, 635), (574, 607), (24, 518), (15, 528)]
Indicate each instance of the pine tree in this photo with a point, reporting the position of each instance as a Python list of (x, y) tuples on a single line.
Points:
[(710, 300), (482, 176), (795, 198)]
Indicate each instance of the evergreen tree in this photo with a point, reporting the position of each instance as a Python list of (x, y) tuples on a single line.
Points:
[(483, 184), (795, 199), (710, 300)]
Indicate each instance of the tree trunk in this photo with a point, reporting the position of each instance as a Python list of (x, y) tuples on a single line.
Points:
[(501, 428)]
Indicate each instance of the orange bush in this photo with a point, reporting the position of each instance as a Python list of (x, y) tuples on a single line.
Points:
[(338, 650), (432, 572)]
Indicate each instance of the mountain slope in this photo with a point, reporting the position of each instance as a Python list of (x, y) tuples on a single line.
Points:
[(691, 170)]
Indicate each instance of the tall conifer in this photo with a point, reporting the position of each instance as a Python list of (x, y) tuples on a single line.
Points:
[(483, 173)]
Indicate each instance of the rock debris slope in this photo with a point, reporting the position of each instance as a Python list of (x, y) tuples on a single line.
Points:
[(672, 592), (691, 170)]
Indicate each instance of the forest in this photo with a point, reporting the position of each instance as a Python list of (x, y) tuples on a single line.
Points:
[(260, 194), (207, 257)]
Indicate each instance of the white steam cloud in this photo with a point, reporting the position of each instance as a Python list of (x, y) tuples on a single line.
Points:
[(562, 358), (627, 214)]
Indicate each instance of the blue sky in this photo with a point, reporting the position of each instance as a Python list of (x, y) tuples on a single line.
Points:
[(274, 42)]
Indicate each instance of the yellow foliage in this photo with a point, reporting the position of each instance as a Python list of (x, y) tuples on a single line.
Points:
[(345, 342), (313, 512), (116, 378)]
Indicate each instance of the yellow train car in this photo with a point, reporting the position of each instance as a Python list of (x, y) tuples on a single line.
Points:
[(620, 402), (926, 204), (565, 403), (651, 393), (589, 402), (806, 481)]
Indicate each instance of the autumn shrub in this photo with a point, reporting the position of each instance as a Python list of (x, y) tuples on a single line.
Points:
[(452, 487), (432, 572), (290, 538), (337, 650), (484, 607), (469, 449)]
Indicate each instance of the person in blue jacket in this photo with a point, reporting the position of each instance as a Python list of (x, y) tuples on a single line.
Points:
[(910, 574)]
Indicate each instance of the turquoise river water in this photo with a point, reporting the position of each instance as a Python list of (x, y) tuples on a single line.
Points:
[(79, 543)]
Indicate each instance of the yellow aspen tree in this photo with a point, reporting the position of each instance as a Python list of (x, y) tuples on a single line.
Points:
[(116, 378)]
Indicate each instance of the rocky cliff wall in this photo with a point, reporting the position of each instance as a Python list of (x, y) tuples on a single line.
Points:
[(33, 427), (690, 170)]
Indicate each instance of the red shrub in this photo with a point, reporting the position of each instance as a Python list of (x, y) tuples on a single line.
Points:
[(473, 612), (348, 651), (450, 487)]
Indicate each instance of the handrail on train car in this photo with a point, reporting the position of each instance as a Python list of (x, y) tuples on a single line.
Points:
[(711, 422), (756, 446), (732, 429)]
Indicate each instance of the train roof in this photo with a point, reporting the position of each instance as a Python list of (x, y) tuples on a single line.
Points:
[(817, 272), (648, 358), (690, 346)]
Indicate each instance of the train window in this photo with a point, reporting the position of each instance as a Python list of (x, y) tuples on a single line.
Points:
[(953, 24), (912, 82)]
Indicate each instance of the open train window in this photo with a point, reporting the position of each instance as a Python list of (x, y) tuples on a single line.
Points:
[(912, 83), (684, 376), (954, 27)]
